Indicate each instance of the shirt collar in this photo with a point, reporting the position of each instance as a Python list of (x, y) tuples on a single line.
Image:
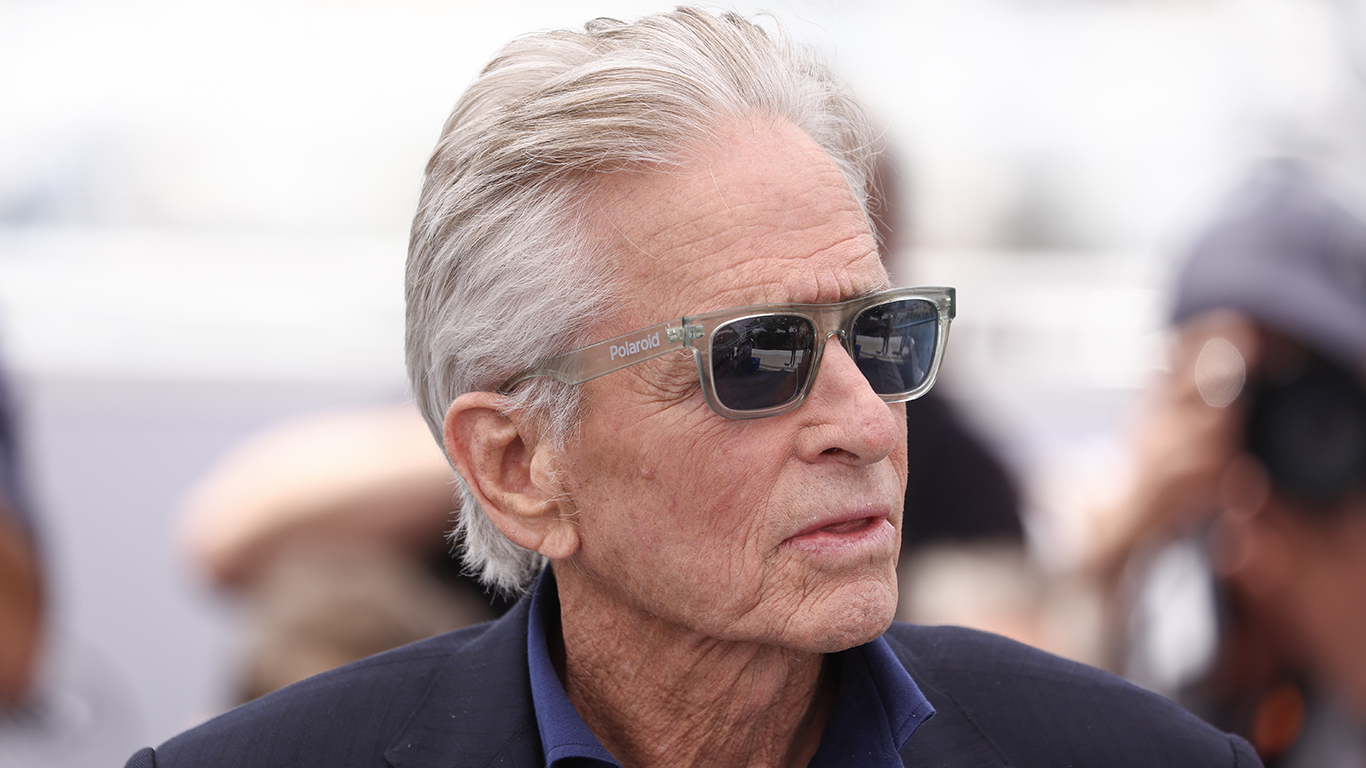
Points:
[(877, 708), (564, 735)]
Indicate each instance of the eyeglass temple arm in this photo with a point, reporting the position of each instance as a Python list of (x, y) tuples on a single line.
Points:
[(605, 357)]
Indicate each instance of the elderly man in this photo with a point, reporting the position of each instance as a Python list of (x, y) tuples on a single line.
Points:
[(648, 322)]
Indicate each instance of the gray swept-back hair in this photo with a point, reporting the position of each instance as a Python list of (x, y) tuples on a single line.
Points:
[(501, 272)]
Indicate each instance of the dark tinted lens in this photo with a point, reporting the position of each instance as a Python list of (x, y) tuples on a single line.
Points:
[(894, 344), (761, 362)]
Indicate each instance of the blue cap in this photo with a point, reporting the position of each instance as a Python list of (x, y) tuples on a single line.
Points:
[(1288, 254)]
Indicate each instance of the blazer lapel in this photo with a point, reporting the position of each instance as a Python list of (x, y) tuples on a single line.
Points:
[(477, 711), (950, 739)]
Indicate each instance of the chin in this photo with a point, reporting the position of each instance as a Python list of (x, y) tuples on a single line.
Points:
[(849, 616)]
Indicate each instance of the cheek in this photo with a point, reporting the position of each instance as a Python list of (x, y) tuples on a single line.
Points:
[(898, 458), (676, 496), (673, 493)]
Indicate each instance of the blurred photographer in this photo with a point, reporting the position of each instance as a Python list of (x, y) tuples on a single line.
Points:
[(21, 604), (1240, 556)]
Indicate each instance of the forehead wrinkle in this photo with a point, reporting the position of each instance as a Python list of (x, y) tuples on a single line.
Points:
[(759, 214), (788, 261), (813, 282)]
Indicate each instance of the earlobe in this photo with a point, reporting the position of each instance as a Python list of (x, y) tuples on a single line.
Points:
[(511, 472)]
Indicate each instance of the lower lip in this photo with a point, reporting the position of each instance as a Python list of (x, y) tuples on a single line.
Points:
[(859, 535)]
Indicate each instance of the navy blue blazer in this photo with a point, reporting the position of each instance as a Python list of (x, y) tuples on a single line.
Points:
[(463, 700)]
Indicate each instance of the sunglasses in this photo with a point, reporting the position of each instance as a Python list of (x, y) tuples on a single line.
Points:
[(760, 360)]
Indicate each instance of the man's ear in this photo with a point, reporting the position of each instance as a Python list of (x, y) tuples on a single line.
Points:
[(511, 472)]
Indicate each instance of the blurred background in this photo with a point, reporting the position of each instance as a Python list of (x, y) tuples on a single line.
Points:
[(203, 214)]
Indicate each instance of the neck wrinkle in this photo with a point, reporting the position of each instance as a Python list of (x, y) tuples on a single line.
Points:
[(657, 695)]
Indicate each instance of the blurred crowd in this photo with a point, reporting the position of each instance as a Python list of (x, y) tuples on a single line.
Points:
[(21, 588)]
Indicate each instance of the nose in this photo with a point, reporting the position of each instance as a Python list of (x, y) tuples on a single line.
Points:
[(846, 419)]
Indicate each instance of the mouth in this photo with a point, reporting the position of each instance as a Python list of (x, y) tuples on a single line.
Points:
[(839, 527), (844, 531)]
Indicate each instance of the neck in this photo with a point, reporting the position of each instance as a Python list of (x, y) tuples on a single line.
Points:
[(657, 694)]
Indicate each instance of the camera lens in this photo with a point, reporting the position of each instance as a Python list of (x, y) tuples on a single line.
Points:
[(1310, 432)]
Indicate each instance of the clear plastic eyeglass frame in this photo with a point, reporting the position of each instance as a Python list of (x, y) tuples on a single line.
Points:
[(838, 320)]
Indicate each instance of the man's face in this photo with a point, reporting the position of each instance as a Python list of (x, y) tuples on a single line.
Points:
[(781, 530)]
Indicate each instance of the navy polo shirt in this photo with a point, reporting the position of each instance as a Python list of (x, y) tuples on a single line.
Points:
[(877, 708)]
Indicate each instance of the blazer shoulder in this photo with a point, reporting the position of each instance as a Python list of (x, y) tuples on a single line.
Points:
[(1034, 708), (346, 716)]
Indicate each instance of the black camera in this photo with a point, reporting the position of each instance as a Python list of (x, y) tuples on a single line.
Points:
[(1308, 429)]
